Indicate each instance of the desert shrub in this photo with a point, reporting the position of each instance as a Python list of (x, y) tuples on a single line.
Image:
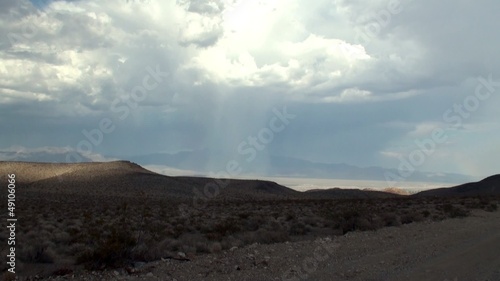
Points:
[(391, 219), (113, 249), (214, 236), (263, 236), (198, 242), (290, 216), (447, 208), (492, 207), (426, 213), (269, 236), (141, 252), (455, 212), (62, 237), (73, 231), (75, 249), (203, 247), (484, 201), (227, 226), (37, 253), (253, 223), (438, 217), (62, 271), (168, 246), (178, 230), (7, 276), (473, 203), (244, 215), (364, 224), (412, 217), (215, 247), (231, 241), (298, 228)]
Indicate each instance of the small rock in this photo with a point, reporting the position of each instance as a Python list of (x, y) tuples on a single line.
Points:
[(181, 255), (150, 274), (237, 267), (233, 248), (116, 273)]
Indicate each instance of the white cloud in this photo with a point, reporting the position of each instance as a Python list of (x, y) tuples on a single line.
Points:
[(21, 153)]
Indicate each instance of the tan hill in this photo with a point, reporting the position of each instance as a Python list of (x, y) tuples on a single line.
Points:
[(124, 178), (486, 187)]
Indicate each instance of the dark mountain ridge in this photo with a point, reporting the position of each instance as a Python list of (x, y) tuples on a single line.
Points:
[(486, 187)]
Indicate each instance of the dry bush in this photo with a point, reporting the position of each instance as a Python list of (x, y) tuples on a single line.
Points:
[(454, 211), (298, 228), (231, 241), (426, 213), (227, 226), (492, 207), (38, 252), (215, 247), (195, 243), (263, 236), (7, 276), (391, 219), (112, 248)]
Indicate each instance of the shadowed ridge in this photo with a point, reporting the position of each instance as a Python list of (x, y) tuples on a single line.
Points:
[(485, 187)]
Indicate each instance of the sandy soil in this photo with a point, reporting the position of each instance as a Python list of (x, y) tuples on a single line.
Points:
[(453, 250)]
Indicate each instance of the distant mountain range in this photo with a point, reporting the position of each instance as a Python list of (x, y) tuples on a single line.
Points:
[(127, 179), (282, 166), (203, 163)]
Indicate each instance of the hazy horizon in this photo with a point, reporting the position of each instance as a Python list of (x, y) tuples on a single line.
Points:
[(303, 183)]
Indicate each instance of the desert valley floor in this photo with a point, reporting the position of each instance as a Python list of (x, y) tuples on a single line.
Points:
[(118, 221)]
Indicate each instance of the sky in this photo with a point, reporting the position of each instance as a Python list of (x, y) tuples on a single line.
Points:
[(367, 83)]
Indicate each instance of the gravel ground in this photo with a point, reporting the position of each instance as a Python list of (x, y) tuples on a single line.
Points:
[(452, 250)]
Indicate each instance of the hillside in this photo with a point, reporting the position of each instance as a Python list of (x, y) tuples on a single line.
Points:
[(124, 178), (485, 187)]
